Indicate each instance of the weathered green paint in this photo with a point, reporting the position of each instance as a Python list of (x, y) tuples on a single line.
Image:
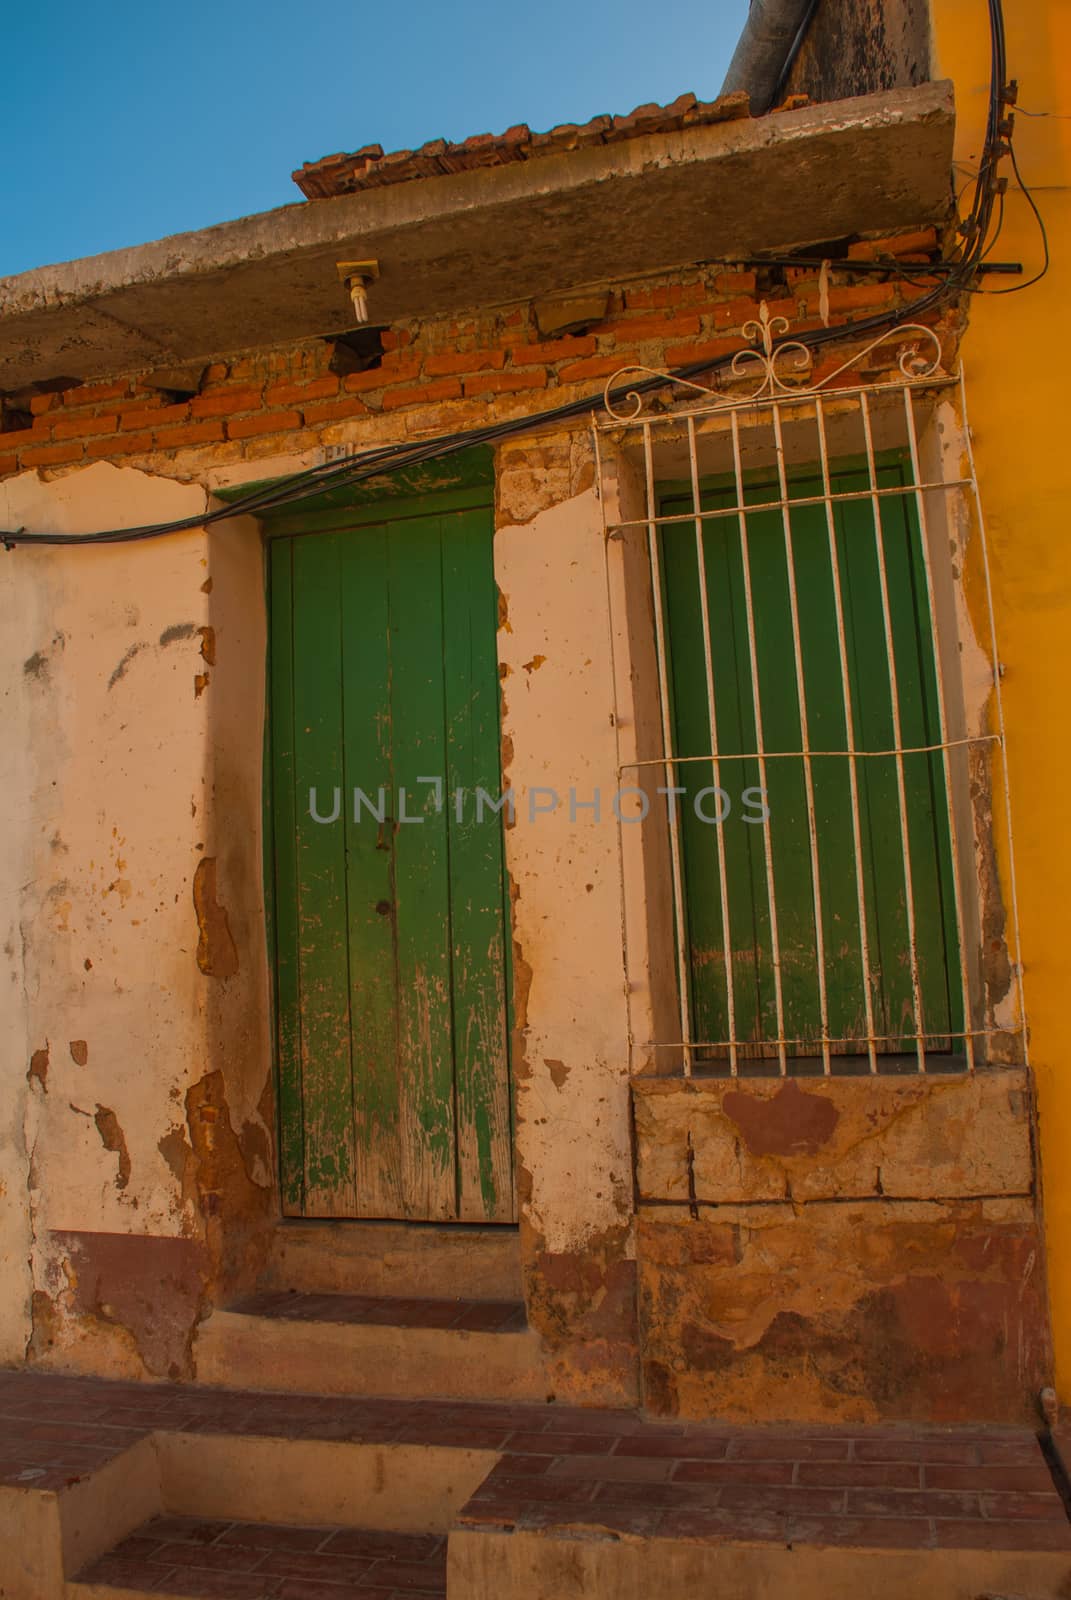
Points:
[(394, 1076), (422, 868), (883, 866), (469, 471), (323, 962), (370, 872), (477, 871)]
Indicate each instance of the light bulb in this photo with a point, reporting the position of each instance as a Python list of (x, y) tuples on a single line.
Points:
[(359, 296)]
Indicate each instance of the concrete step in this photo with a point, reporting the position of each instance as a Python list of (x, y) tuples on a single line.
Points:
[(189, 1556), (395, 1258), (347, 1344)]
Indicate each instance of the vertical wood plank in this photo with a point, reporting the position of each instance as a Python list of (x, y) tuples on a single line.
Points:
[(366, 670), (879, 804), (421, 865), (324, 960), (481, 1059), (284, 859), (786, 791), (828, 727), (924, 785)]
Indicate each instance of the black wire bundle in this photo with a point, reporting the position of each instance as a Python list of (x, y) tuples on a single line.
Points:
[(960, 276)]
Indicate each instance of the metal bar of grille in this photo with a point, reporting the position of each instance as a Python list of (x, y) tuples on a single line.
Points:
[(757, 432), (894, 694), (626, 961), (849, 729), (723, 404), (808, 774), (667, 751), (847, 1039), (818, 755), (942, 723), (756, 698), (708, 662), (998, 700), (835, 497)]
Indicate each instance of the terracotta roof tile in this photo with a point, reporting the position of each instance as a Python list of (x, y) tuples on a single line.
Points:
[(370, 168)]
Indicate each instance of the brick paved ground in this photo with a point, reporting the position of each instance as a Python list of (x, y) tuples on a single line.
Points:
[(977, 1488), (260, 1561)]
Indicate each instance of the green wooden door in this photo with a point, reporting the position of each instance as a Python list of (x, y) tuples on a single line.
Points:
[(390, 921), (752, 858)]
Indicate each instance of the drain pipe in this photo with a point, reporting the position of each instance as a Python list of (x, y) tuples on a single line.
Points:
[(766, 49)]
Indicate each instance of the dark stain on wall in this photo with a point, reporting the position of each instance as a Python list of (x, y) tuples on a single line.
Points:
[(235, 1208), (113, 1138), (123, 664), (582, 1303), (38, 1068), (844, 1312), (177, 631), (791, 1123), (217, 955), (42, 1325), (146, 1284)]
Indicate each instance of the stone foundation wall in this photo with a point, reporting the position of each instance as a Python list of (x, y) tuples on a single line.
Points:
[(825, 1250)]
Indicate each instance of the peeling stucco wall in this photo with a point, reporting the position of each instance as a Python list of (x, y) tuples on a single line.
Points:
[(124, 663), (21, 629), (570, 1059)]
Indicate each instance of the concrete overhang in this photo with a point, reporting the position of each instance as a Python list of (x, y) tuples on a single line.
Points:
[(488, 237)]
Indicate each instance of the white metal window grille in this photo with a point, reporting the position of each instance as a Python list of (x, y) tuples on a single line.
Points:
[(810, 459)]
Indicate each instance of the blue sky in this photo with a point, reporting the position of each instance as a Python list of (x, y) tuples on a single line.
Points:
[(128, 121)]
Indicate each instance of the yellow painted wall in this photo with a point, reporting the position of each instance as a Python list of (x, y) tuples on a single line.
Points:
[(1017, 393)]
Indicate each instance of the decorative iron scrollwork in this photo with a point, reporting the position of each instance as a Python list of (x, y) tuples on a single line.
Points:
[(781, 365)]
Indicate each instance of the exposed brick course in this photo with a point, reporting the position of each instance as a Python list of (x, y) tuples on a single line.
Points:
[(225, 402), (412, 395), (128, 444), (431, 370), (455, 362), (505, 382), (266, 422)]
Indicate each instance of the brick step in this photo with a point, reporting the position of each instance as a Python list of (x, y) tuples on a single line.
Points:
[(394, 1258), (387, 1311), (349, 1344), (537, 1502), (194, 1556)]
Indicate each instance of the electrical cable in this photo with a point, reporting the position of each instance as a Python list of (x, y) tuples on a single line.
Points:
[(960, 274), (1017, 288), (794, 50)]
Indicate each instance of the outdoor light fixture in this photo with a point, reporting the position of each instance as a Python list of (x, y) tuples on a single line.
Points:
[(357, 275)]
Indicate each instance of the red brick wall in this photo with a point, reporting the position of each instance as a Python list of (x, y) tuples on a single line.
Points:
[(436, 376)]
